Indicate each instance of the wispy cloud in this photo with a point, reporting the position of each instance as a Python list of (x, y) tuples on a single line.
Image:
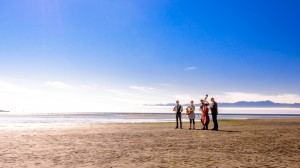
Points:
[(60, 85), (142, 88), (94, 86), (192, 68), (8, 87), (166, 84)]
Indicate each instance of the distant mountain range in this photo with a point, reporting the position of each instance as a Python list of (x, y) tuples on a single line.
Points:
[(3, 111), (249, 104)]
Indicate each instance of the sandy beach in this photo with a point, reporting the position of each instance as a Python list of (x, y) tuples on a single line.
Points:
[(239, 143)]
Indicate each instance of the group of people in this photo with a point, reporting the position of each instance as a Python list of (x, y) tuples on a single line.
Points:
[(204, 108)]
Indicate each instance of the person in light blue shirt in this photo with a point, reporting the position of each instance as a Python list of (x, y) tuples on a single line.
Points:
[(191, 112)]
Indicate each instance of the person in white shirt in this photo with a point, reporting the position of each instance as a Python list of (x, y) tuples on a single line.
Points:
[(191, 111)]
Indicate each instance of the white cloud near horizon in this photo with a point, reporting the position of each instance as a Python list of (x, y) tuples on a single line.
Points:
[(142, 88), (60, 85), (192, 68), (8, 87), (37, 97)]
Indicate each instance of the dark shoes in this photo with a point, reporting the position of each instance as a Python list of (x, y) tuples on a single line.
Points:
[(204, 128), (214, 129)]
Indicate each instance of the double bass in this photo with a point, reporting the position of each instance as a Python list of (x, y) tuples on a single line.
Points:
[(204, 109)]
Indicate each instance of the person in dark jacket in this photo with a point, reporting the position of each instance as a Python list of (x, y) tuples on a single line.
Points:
[(214, 113), (178, 109)]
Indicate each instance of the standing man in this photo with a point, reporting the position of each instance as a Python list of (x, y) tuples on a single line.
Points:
[(214, 113), (178, 109)]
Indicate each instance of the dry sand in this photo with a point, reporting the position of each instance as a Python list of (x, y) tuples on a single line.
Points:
[(249, 143)]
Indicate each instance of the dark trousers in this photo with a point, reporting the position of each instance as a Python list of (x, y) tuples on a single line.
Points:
[(205, 126), (178, 117), (216, 126)]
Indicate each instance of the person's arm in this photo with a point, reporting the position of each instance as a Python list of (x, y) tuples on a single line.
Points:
[(211, 108), (201, 110), (174, 108), (181, 108)]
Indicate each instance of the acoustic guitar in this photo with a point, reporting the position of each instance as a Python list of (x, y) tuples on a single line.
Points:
[(188, 111)]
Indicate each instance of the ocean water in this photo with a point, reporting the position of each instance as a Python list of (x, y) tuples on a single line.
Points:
[(40, 120)]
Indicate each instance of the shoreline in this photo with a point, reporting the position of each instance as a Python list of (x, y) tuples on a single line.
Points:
[(61, 125)]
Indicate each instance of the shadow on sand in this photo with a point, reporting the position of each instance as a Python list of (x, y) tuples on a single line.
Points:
[(219, 130), (229, 131)]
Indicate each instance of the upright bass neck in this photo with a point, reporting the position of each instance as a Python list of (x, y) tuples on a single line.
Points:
[(206, 96), (205, 99)]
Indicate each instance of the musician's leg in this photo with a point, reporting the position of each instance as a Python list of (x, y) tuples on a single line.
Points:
[(177, 120), (214, 120), (216, 123), (202, 124), (193, 123), (180, 120), (214, 117)]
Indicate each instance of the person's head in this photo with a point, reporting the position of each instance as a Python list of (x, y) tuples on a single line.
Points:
[(212, 99), (192, 102), (177, 101), (202, 101)]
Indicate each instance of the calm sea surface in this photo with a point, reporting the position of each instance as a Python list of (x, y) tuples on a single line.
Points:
[(39, 120)]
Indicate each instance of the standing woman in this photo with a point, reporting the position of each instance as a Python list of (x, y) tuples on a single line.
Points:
[(191, 111), (204, 118)]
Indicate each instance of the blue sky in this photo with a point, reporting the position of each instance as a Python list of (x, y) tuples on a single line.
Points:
[(99, 53)]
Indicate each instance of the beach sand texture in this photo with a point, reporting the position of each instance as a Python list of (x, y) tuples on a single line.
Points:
[(246, 143)]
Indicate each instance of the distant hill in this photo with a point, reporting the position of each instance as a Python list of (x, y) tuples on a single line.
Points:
[(3, 111), (267, 103), (249, 104)]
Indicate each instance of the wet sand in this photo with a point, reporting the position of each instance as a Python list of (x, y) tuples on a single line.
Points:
[(239, 143)]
